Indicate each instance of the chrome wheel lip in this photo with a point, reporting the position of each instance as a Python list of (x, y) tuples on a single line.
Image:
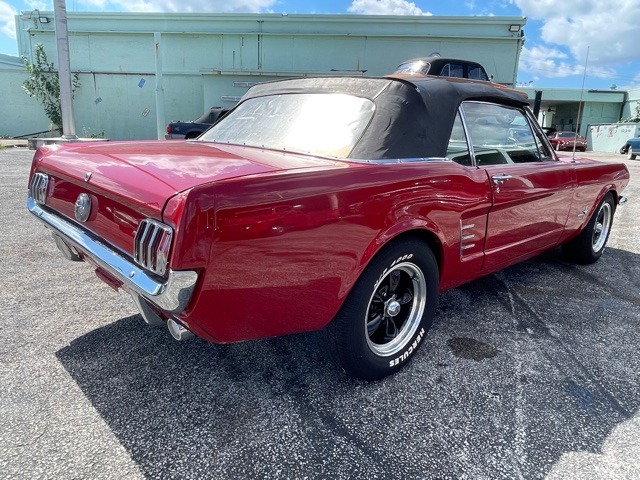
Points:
[(413, 317), (601, 227)]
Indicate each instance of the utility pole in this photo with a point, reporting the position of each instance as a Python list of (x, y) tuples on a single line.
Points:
[(64, 70), (160, 121)]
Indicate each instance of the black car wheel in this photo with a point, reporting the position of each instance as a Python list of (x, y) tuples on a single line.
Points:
[(588, 247), (383, 321)]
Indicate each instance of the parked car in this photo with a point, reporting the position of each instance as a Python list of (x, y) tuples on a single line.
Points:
[(344, 204), (443, 67), (566, 140), (188, 130), (631, 148)]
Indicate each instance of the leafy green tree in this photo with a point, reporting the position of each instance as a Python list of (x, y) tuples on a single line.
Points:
[(636, 116), (43, 83)]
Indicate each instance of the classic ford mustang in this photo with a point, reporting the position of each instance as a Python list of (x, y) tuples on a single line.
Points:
[(344, 204)]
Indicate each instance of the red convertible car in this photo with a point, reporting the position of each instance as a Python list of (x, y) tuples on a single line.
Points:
[(568, 141), (344, 204)]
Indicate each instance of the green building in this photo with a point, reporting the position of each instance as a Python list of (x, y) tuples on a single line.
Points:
[(207, 60), (139, 71)]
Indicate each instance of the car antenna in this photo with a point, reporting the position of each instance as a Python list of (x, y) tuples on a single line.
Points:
[(584, 75)]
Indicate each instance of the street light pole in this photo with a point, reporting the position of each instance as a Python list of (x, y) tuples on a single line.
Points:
[(160, 121), (64, 70)]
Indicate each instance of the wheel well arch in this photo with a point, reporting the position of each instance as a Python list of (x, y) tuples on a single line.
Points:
[(428, 237), (615, 194)]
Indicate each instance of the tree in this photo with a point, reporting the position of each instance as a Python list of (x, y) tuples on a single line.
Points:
[(636, 116), (43, 83)]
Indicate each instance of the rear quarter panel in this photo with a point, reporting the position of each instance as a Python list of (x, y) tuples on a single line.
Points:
[(288, 248), (594, 180)]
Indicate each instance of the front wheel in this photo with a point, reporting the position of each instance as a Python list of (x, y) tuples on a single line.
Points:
[(630, 154), (383, 321), (589, 245)]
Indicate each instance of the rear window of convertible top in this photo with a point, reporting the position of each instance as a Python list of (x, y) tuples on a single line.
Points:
[(325, 124)]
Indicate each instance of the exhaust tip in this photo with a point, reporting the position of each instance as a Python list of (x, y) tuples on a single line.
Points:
[(178, 331)]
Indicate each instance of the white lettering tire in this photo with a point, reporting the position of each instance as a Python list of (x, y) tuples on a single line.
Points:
[(589, 245), (383, 321)]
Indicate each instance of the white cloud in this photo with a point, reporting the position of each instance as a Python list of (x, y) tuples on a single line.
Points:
[(609, 28), (385, 7), (554, 63), (217, 6), (7, 21), (548, 62), (486, 8), (38, 5)]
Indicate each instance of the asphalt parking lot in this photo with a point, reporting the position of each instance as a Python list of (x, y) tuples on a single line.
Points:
[(529, 373)]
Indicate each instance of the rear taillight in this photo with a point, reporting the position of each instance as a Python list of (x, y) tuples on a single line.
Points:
[(169, 129), (152, 245), (38, 187)]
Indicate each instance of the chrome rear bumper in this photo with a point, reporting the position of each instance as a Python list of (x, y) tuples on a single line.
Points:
[(171, 294)]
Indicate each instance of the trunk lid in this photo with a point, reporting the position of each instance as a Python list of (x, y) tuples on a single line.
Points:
[(130, 181)]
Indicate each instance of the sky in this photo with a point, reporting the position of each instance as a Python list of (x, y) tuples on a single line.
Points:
[(558, 33)]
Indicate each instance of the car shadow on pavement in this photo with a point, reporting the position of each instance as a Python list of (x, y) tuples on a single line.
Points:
[(560, 371)]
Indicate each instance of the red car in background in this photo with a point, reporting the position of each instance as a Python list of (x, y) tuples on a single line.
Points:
[(344, 203), (566, 141)]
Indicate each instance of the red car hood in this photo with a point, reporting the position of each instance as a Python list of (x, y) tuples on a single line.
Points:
[(152, 171)]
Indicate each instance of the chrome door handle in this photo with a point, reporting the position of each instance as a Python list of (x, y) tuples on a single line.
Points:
[(500, 179)]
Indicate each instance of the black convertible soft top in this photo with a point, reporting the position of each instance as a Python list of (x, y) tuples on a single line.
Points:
[(413, 116)]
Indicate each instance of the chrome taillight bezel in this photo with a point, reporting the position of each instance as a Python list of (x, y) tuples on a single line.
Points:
[(152, 245), (39, 187)]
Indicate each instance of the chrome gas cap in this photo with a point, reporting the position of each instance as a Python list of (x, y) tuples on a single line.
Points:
[(82, 208)]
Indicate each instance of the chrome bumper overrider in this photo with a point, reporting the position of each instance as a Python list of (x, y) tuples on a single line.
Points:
[(171, 295)]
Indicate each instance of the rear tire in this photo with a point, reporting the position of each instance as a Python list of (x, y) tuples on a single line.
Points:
[(588, 247), (630, 154), (385, 317)]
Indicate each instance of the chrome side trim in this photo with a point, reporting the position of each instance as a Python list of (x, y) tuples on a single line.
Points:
[(386, 161), (171, 294), (465, 237)]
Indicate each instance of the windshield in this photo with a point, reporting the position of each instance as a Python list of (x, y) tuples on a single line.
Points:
[(418, 66), (566, 134), (319, 124)]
